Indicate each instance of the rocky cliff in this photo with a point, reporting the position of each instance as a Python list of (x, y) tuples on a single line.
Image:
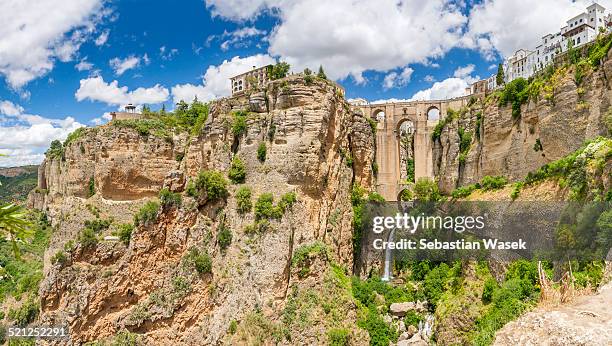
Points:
[(315, 147), (551, 125)]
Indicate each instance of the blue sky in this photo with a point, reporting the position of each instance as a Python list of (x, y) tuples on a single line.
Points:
[(66, 64)]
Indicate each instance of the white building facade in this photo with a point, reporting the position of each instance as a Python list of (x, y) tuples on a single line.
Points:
[(578, 31)]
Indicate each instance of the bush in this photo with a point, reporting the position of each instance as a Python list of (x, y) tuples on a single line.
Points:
[(243, 200), (426, 190), (146, 214), (56, 150), (287, 201), (260, 226), (98, 225), (237, 171), (464, 191), (338, 337), (487, 292), (88, 238), (26, 313), (59, 258), (264, 207), (125, 233), (380, 333), (125, 338), (200, 260), (239, 124), (516, 190), (233, 327), (412, 318), (224, 237), (261, 152), (435, 284), (516, 93), (279, 70), (169, 199), (213, 183), (493, 183), (91, 187)]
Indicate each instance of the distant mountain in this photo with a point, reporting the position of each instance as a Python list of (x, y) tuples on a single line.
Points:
[(17, 182)]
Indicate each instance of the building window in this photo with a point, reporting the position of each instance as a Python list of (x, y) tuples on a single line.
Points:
[(578, 40)]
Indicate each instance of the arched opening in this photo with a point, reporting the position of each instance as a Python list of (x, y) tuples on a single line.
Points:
[(405, 133), (405, 195), (433, 114), (379, 115)]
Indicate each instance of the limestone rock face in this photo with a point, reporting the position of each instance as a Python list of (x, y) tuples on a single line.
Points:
[(506, 145), (145, 286), (117, 163)]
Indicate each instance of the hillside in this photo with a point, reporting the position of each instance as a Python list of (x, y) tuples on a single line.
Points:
[(17, 182)]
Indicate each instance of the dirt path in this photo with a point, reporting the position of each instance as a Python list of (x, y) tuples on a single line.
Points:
[(586, 321)]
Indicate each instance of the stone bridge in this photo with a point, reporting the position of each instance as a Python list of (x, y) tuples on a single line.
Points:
[(418, 117)]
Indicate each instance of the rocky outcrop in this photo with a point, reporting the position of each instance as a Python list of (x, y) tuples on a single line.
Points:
[(507, 146), (146, 287)]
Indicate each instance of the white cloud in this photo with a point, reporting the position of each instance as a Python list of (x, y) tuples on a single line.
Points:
[(464, 71), (448, 88), (122, 65), (237, 38), (101, 120), (27, 136), (240, 10), (167, 54), (100, 40), (395, 79), (505, 26), (96, 89), (34, 34), (83, 65), (429, 78), (216, 79), (9, 108)]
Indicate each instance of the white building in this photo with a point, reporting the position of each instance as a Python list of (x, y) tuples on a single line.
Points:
[(578, 30)]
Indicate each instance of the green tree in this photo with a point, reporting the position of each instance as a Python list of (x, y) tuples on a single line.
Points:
[(14, 224), (499, 78), (321, 73), (237, 171), (426, 190), (261, 152), (279, 70)]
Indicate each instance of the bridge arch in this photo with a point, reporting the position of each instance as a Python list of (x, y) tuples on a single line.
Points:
[(433, 113)]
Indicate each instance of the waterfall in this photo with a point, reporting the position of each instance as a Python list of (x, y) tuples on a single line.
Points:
[(426, 326), (388, 258)]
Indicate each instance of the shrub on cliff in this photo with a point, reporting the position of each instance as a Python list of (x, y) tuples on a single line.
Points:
[(426, 190), (198, 260), (56, 150), (213, 183), (224, 237), (239, 124), (147, 213), (264, 206), (88, 238), (243, 200), (237, 171), (125, 233), (169, 199), (493, 183), (279, 70), (261, 152)]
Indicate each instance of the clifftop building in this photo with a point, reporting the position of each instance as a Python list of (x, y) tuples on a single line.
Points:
[(579, 30), (257, 77)]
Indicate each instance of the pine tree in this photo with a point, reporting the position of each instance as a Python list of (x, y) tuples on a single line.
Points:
[(499, 79), (321, 73)]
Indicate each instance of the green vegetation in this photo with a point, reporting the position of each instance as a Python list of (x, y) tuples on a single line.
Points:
[(169, 199), (91, 187), (14, 223), (232, 327), (571, 171), (516, 93), (338, 337), (489, 183), (499, 77), (198, 260), (56, 150), (239, 124), (279, 70), (74, 136), (437, 132), (478, 125), (265, 208), (59, 258), (261, 152), (303, 256), (465, 140), (243, 200), (16, 188), (308, 78), (146, 214), (516, 190), (125, 233), (237, 171), (213, 184), (26, 313), (321, 74), (224, 237), (464, 191), (88, 238), (426, 190)]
